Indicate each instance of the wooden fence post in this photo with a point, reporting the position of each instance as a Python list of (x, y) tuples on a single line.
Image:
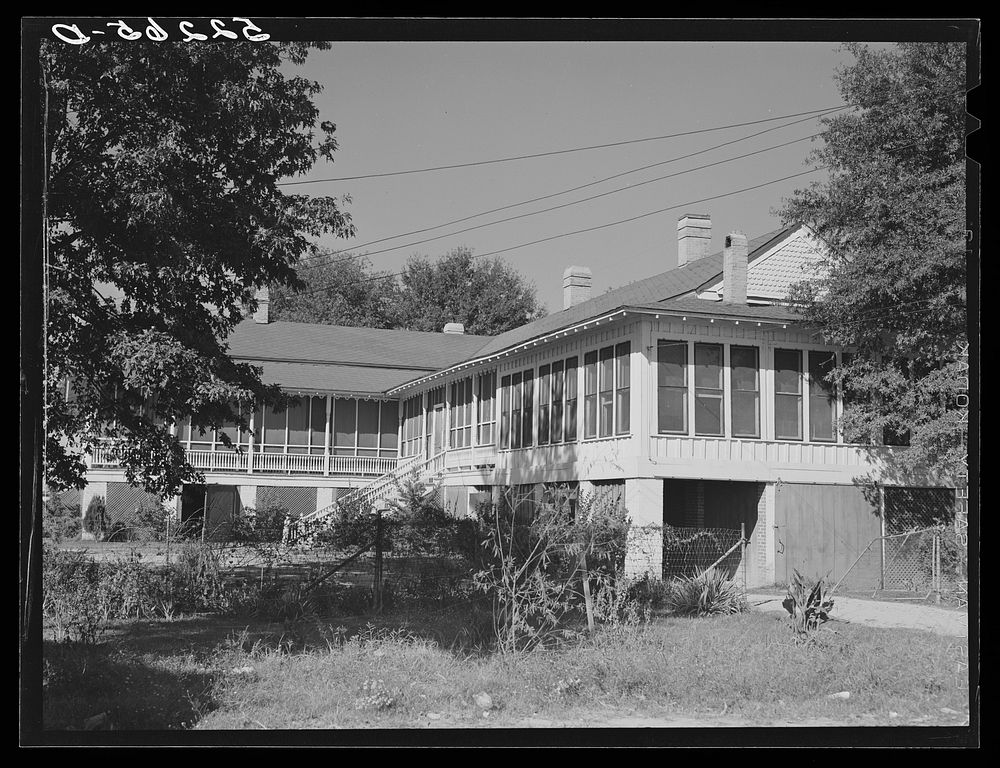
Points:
[(377, 586)]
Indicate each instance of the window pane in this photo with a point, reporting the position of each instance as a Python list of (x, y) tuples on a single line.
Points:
[(821, 419), (623, 363), (671, 376), (529, 399), (708, 414), (822, 399), (622, 411), (505, 412), (746, 414), (317, 422), (788, 417), (390, 425), (368, 423), (744, 367), (708, 419), (708, 366), (571, 378), (515, 410), (590, 373), (298, 422), (607, 370), (229, 429), (274, 427), (344, 422), (788, 398), (787, 371), (557, 402), (672, 409), (671, 368), (569, 433)]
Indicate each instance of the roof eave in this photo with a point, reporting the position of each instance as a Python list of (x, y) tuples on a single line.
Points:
[(619, 312)]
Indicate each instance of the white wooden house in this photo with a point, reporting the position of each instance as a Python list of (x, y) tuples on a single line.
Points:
[(695, 394)]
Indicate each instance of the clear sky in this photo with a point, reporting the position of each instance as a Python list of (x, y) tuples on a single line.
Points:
[(407, 105)]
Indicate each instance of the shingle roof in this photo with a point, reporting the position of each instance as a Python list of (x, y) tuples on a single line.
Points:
[(311, 342), (310, 356), (703, 307), (650, 290), (353, 379)]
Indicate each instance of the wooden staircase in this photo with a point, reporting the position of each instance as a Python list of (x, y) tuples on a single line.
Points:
[(304, 530)]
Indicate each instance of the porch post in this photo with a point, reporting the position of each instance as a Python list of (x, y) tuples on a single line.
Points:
[(424, 446), (474, 420), (253, 417), (326, 436), (447, 416), (644, 503)]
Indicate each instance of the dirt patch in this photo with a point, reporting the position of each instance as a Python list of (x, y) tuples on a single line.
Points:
[(878, 613)]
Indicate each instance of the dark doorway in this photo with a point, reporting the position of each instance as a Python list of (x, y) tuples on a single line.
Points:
[(193, 508), (703, 521)]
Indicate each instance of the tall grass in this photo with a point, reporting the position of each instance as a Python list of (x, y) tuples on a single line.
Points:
[(708, 594), (743, 664)]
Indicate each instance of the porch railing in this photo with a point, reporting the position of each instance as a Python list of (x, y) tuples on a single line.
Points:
[(103, 457)]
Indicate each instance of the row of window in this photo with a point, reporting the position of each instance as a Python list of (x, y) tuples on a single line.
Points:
[(463, 418), (357, 428), (606, 399), (674, 387)]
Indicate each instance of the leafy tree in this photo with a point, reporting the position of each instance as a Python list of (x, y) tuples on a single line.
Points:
[(162, 163), (342, 290), (487, 297), (893, 216)]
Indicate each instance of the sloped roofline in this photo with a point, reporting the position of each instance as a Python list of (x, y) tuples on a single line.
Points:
[(776, 238)]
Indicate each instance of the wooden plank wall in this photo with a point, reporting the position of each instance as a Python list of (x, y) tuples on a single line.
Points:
[(821, 530)]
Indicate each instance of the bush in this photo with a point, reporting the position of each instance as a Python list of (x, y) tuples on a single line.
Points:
[(95, 520), (536, 561), (81, 596), (708, 594), (69, 595), (60, 521), (809, 605), (146, 523), (260, 525)]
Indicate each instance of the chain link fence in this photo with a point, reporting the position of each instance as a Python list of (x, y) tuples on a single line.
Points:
[(689, 551)]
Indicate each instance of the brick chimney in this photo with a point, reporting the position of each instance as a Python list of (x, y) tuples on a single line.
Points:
[(456, 328), (576, 285), (734, 269), (263, 313), (694, 237)]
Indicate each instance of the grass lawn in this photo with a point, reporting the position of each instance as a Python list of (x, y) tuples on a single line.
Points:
[(210, 673)]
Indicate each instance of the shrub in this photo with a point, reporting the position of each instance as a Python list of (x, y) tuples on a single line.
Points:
[(148, 522), (809, 605), (536, 561), (69, 595), (95, 518), (630, 601), (708, 594), (266, 524), (59, 520)]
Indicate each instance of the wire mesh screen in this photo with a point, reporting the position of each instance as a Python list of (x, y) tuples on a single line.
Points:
[(298, 501), (909, 509), (690, 551), (125, 500), (909, 562), (914, 548), (428, 559), (69, 498)]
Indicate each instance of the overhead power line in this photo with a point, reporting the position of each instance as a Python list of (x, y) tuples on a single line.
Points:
[(685, 204), (583, 200), (554, 194), (561, 151)]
